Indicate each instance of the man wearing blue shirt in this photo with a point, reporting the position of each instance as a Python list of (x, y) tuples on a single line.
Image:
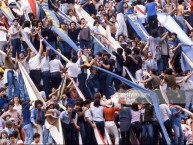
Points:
[(27, 126), (3, 101), (67, 125), (176, 124), (38, 119), (151, 9)]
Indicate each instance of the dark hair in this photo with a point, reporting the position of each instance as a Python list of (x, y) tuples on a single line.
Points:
[(174, 34), (154, 33), (101, 6), (120, 36), (17, 97), (10, 103), (74, 59), (40, 88), (95, 22), (81, 20), (56, 106), (72, 23), (154, 71), (127, 50), (38, 102), (180, 1), (86, 102), (149, 1), (67, 93), (99, 54), (91, 55), (77, 103), (69, 106), (69, 11), (168, 71), (53, 56), (139, 2), (36, 135), (34, 22), (97, 96), (31, 15), (15, 20), (136, 51), (122, 86), (97, 102), (11, 135), (15, 133), (120, 51), (26, 24), (38, 21), (134, 106), (62, 23)]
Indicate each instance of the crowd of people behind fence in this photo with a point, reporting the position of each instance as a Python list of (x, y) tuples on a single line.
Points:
[(154, 63)]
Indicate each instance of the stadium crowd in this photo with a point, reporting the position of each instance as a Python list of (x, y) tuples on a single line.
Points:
[(154, 63)]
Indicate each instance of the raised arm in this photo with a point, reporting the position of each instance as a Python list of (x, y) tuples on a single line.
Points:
[(41, 47)]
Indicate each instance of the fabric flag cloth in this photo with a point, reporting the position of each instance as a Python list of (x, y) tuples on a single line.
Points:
[(100, 140), (107, 137), (54, 125), (77, 89), (51, 15), (61, 88), (164, 95), (30, 87), (171, 25), (64, 16), (79, 135), (54, 50), (138, 27), (186, 57), (25, 38), (7, 12)]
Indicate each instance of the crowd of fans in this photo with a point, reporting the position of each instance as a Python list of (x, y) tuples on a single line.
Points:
[(153, 64)]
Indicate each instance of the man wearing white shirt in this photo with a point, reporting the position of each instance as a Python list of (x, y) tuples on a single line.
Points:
[(14, 31), (3, 41), (72, 68), (34, 65), (140, 10), (55, 68), (24, 61), (166, 114), (45, 69)]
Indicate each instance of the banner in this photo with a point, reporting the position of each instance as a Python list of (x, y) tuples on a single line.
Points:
[(25, 38), (138, 27), (54, 50), (100, 140), (30, 87), (77, 89), (171, 25), (55, 129), (51, 15), (7, 12)]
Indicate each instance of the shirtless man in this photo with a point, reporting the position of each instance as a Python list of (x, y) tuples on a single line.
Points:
[(179, 16)]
